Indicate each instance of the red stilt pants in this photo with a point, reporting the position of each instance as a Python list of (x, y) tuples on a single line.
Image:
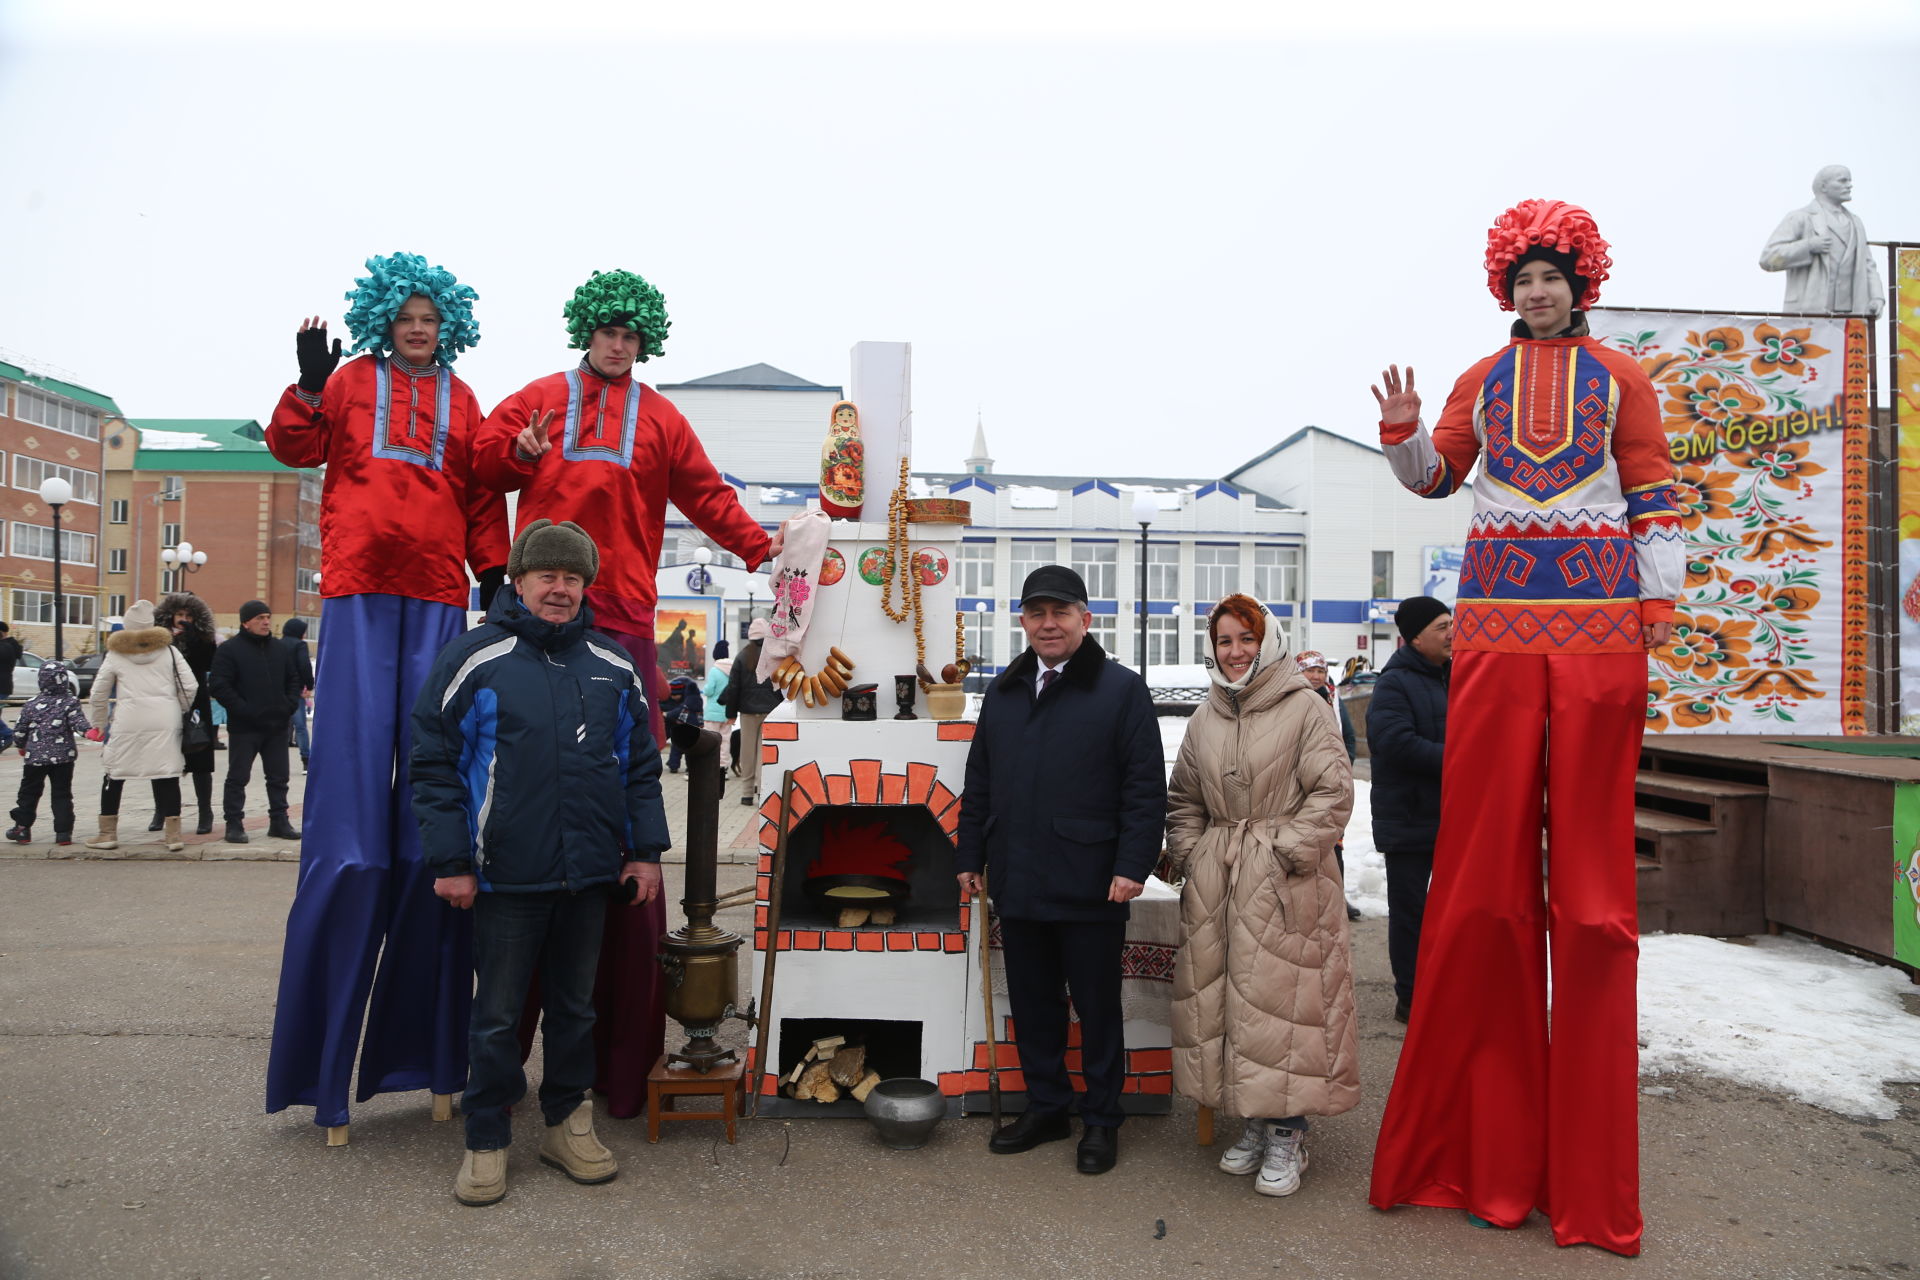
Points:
[(1492, 1110)]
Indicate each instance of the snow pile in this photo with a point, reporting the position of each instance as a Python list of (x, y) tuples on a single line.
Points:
[(1028, 497), (1781, 1014)]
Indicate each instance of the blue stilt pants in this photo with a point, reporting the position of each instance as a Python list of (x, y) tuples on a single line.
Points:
[(364, 894)]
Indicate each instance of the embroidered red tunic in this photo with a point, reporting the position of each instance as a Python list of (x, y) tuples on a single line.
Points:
[(400, 511), (1575, 541), (621, 453)]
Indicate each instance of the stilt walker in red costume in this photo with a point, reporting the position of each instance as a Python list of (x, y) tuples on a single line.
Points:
[(1573, 560), (596, 446), (401, 523)]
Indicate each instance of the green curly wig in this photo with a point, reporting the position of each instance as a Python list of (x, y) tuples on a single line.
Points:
[(618, 297)]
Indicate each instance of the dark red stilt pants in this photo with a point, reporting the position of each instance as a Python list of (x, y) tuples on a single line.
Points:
[(1493, 1109)]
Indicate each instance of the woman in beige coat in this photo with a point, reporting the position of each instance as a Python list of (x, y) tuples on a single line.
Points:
[(150, 686), (1263, 987)]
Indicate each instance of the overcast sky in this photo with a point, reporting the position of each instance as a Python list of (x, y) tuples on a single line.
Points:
[(1137, 239)]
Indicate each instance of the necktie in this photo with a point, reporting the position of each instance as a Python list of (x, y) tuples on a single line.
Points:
[(1047, 678)]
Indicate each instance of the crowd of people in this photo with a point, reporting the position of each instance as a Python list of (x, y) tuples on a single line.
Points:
[(1510, 1096), (166, 687), (486, 820)]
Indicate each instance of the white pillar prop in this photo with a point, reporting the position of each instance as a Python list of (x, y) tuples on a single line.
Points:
[(882, 388)]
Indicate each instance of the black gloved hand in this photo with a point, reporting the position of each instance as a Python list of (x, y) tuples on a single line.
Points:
[(316, 362), (491, 580)]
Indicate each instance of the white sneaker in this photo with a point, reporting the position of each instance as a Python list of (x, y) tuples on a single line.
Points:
[(1286, 1161), (1245, 1155)]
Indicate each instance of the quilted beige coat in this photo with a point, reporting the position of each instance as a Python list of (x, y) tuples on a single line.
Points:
[(1263, 986)]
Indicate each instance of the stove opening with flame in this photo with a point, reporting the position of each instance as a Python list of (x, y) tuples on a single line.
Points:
[(892, 862)]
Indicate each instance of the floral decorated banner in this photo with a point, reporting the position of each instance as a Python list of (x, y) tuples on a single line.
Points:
[(1772, 486), (1906, 345)]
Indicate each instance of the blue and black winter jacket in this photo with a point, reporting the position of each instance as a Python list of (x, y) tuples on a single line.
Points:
[(534, 765)]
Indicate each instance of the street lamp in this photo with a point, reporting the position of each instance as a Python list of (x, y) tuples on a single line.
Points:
[(980, 631), (701, 559), (57, 493), (183, 556), (1144, 510)]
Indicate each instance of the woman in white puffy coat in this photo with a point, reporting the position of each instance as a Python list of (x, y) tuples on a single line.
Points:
[(150, 686)]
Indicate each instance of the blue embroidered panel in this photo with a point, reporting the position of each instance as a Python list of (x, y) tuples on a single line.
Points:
[(1602, 567), (570, 446), (1548, 415), (424, 444)]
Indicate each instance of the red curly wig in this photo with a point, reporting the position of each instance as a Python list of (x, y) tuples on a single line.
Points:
[(1242, 609), (1557, 225)]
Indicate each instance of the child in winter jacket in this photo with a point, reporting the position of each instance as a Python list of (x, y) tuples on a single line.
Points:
[(45, 734)]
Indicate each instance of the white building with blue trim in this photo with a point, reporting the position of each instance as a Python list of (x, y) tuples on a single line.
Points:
[(1305, 528)]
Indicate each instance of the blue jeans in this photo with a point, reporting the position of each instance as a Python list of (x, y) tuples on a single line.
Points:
[(513, 933)]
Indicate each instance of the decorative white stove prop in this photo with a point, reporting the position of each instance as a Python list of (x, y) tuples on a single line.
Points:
[(879, 801)]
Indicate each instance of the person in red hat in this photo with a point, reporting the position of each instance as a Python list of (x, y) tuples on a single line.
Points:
[(1573, 561)]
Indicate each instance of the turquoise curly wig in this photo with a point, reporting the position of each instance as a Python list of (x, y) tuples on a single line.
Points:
[(377, 299), (618, 297)]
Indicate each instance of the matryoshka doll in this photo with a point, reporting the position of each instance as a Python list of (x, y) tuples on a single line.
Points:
[(843, 464)]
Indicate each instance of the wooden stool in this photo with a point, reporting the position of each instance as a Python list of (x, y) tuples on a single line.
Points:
[(665, 1084)]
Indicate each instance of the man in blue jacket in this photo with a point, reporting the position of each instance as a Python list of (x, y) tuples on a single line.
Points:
[(536, 783), (1065, 804), (1406, 732)]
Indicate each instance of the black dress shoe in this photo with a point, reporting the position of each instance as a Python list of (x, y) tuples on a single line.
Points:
[(1029, 1131), (1099, 1149), (1402, 1010), (1353, 912)]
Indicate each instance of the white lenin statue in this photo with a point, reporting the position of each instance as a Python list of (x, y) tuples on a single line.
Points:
[(1823, 249)]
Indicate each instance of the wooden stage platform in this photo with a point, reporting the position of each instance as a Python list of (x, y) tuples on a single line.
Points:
[(1739, 834)]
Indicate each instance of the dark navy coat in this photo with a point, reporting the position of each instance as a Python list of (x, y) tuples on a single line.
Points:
[(1064, 792), (1406, 731), (534, 765)]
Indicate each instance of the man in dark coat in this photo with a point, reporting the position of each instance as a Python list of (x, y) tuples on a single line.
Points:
[(750, 698), (1406, 730), (10, 652), (293, 634), (254, 678), (1065, 805)]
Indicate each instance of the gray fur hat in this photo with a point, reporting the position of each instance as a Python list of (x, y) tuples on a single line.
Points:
[(546, 545)]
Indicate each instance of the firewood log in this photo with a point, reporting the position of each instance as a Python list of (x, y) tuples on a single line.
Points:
[(865, 1087), (848, 1066)]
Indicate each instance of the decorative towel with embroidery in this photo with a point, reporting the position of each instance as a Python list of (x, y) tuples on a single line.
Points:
[(796, 578)]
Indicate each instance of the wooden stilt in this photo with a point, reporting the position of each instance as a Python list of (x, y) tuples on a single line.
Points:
[(1203, 1127), (442, 1107), (337, 1135)]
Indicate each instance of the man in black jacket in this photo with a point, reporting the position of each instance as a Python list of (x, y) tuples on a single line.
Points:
[(1065, 804), (293, 634), (750, 698), (254, 678), (1406, 731)]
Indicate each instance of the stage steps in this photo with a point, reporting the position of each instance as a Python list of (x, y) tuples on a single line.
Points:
[(1700, 845)]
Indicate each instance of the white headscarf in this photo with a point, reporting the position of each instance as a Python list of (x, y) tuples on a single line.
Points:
[(1273, 649)]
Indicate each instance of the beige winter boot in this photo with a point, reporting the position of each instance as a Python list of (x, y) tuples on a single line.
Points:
[(172, 837), (483, 1178), (109, 837), (571, 1148)]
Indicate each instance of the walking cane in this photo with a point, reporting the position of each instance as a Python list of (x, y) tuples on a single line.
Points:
[(773, 941), (986, 992)]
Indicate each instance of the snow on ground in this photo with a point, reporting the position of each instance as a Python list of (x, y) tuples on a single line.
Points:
[(1780, 1014)]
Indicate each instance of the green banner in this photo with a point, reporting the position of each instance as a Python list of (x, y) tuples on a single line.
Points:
[(1906, 869)]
